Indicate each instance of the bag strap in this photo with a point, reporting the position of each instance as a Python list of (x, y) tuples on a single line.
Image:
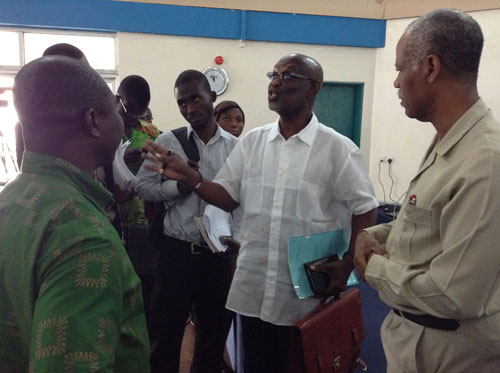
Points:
[(188, 144)]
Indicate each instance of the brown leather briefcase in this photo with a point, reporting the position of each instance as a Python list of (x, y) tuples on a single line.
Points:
[(328, 340)]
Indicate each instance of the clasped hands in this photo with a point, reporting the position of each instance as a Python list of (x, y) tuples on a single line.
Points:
[(366, 246), (339, 270)]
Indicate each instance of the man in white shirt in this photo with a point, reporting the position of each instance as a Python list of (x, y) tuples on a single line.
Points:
[(292, 177), (189, 274)]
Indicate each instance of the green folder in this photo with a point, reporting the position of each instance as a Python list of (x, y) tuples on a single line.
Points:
[(303, 249)]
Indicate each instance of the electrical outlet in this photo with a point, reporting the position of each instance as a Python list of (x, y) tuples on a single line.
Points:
[(386, 159)]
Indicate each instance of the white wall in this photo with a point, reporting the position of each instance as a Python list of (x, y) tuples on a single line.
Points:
[(393, 134), (160, 59), (386, 131)]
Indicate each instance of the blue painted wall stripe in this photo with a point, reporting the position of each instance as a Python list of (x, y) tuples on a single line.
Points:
[(309, 29), (112, 16), (243, 28)]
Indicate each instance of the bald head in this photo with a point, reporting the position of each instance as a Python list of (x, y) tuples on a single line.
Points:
[(292, 95), (65, 49), (307, 66), (67, 111), (56, 90)]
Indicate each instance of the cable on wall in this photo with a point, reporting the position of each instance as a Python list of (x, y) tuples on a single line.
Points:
[(380, 180), (392, 183)]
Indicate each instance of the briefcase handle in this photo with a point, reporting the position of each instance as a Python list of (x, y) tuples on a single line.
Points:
[(326, 301)]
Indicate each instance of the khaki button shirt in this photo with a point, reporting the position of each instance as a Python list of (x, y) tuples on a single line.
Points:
[(444, 247)]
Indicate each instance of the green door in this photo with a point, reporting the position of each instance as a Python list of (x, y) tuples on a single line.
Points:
[(339, 106)]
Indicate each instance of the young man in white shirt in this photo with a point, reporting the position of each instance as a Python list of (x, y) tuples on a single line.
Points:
[(188, 272)]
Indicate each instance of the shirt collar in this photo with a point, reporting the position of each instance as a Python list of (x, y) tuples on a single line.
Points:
[(190, 130), (468, 120), (307, 134), (44, 164), (219, 132), (223, 132)]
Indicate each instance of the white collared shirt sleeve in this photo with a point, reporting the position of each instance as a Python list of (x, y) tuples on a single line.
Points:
[(231, 172), (150, 186)]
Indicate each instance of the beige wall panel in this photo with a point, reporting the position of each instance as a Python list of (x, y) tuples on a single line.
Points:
[(411, 8), (345, 8), (377, 9)]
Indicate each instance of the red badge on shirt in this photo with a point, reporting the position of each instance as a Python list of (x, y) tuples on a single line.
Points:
[(413, 200)]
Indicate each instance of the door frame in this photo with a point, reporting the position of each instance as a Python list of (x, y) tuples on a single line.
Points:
[(358, 106)]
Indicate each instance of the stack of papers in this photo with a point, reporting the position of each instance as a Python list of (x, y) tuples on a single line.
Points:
[(214, 223)]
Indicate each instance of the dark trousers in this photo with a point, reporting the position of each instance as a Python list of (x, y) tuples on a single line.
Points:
[(144, 258), (183, 280), (265, 346)]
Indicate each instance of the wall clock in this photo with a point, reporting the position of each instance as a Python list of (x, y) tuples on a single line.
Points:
[(217, 78)]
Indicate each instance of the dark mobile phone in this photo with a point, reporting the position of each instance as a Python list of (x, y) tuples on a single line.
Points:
[(317, 279)]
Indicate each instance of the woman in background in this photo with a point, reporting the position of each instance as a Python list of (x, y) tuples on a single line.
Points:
[(230, 117)]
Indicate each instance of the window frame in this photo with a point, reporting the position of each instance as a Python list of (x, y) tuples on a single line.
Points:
[(9, 71), (13, 69)]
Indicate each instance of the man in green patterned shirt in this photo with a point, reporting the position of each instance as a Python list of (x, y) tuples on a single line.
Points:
[(69, 297)]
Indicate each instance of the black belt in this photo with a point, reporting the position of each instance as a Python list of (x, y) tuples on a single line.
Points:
[(195, 247), (199, 248), (429, 321)]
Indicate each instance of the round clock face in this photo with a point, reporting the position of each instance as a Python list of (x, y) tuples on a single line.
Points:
[(217, 78)]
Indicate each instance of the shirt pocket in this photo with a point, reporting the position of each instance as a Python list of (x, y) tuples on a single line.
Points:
[(419, 237), (253, 192), (310, 198)]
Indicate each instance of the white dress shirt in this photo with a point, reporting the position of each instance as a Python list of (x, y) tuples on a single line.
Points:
[(179, 220), (311, 183)]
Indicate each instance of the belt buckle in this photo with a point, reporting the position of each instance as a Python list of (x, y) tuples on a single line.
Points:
[(196, 249)]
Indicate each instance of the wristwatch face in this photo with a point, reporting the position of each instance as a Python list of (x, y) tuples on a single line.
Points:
[(217, 78)]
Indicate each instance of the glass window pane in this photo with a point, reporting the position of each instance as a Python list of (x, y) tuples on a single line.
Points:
[(111, 84), (10, 48), (99, 50), (8, 119)]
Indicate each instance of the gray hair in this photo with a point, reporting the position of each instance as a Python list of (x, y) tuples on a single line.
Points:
[(455, 37)]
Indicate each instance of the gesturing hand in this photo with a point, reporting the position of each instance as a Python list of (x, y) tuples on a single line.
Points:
[(168, 164)]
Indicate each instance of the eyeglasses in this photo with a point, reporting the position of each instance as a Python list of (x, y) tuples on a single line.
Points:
[(285, 75), (127, 114), (119, 100)]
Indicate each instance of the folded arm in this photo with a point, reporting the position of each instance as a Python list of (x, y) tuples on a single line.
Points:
[(460, 277)]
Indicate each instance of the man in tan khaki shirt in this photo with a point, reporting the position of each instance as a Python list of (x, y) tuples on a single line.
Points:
[(438, 264)]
